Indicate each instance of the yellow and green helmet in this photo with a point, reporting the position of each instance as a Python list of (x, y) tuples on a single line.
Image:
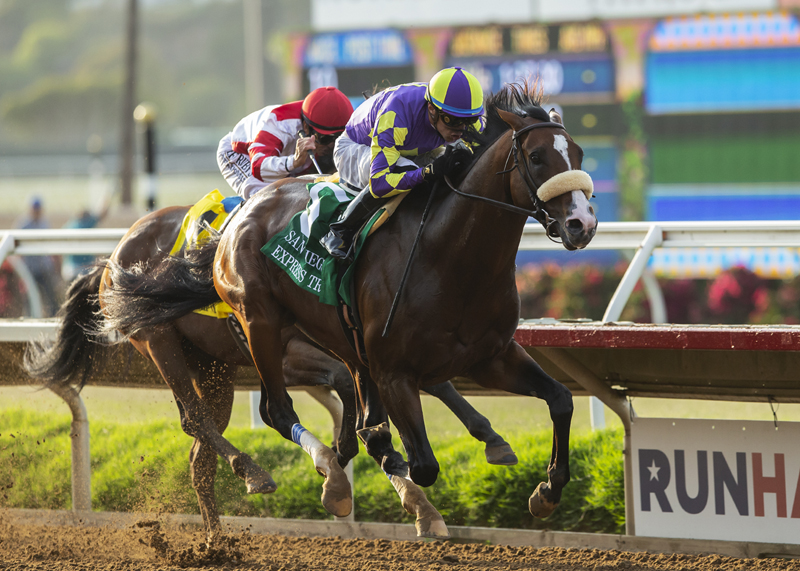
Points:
[(456, 92)]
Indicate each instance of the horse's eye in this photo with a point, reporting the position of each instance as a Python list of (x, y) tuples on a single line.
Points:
[(535, 158)]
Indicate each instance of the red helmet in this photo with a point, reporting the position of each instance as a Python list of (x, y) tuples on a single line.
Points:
[(327, 110)]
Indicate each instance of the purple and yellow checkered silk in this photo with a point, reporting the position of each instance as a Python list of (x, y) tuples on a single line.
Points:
[(394, 123)]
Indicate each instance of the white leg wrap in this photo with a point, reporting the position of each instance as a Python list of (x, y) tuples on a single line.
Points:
[(311, 445)]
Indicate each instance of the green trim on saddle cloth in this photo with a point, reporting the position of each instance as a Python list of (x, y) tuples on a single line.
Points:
[(210, 209), (297, 251)]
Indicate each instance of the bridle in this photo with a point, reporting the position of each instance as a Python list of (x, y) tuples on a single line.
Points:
[(539, 213)]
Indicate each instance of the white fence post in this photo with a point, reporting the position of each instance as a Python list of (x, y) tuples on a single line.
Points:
[(652, 240), (81, 455)]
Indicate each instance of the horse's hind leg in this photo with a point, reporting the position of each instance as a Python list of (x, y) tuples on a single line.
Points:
[(346, 441), (306, 365), (264, 334), (197, 418), (215, 387), (377, 438), (516, 372), (497, 450)]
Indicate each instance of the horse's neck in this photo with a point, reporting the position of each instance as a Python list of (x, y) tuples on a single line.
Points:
[(488, 235)]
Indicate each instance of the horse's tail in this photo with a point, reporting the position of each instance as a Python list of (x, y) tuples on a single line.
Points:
[(140, 297), (71, 357)]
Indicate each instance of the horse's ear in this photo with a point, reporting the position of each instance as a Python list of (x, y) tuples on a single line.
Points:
[(555, 117), (514, 121)]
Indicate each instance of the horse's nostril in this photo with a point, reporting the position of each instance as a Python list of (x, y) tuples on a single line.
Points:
[(574, 225)]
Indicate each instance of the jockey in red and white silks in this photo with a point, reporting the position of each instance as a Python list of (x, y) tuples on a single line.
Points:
[(275, 142)]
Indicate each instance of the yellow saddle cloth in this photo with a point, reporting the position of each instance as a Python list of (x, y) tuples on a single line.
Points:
[(211, 210)]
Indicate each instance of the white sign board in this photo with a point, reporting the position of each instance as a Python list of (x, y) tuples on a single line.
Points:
[(331, 15), (374, 14), (717, 479), (556, 10)]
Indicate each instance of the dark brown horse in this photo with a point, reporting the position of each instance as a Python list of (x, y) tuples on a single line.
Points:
[(459, 309), (198, 358)]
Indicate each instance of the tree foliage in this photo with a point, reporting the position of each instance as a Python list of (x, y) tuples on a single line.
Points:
[(62, 67)]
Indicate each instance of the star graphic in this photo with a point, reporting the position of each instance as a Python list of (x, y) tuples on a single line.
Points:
[(654, 471)]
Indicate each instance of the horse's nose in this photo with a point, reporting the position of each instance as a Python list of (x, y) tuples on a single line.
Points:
[(581, 228), (575, 226), (581, 219)]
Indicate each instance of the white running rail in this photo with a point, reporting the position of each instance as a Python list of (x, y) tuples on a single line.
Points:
[(641, 237)]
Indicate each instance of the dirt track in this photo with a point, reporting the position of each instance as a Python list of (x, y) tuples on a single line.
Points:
[(147, 547)]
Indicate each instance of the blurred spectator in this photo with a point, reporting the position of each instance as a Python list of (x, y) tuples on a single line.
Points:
[(74, 265), (12, 292), (44, 269)]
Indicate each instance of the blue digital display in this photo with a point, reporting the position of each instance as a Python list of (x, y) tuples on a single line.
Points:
[(723, 207), (559, 74), (375, 48), (600, 162), (723, 80)]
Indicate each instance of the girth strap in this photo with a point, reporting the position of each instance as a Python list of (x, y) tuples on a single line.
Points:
[(238, 335), (351, 324)]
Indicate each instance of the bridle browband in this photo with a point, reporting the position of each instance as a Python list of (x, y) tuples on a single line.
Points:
[(539, 213)]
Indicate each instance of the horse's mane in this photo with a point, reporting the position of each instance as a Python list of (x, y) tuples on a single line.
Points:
[(523, 99)]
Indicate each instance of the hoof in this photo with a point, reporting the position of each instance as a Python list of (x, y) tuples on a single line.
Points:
[(257, 480), (540, 506), (260, 484), (432, 527), (337, 497), (501, 455)]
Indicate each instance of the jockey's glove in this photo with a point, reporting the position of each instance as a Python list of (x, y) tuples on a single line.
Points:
[(452, 161)]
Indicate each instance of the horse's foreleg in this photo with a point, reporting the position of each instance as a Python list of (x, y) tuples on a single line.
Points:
[(497, 450), (264, 335), (516, 372), (375, 434), (401, 399)]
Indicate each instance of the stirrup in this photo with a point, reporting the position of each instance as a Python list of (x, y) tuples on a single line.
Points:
[(340, 251)]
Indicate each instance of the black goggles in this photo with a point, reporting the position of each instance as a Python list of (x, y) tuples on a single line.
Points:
[(326, 139), (455, 122)]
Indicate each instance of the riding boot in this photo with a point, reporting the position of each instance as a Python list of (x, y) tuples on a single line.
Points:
[(340, 237)]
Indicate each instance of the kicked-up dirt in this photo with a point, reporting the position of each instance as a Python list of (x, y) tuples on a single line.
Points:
[(147, 546)]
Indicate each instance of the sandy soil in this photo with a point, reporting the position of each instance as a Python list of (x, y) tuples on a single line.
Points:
[(147, 547)]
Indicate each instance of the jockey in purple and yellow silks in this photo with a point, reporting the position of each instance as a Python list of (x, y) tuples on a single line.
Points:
[(375, 154)]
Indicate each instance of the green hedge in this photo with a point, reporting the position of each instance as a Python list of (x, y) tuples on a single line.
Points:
[(144, 467)]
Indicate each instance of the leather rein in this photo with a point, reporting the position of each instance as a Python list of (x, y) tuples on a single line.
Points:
[(539, 213)]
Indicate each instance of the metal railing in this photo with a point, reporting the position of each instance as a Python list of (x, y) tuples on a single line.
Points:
[(641, 237)]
